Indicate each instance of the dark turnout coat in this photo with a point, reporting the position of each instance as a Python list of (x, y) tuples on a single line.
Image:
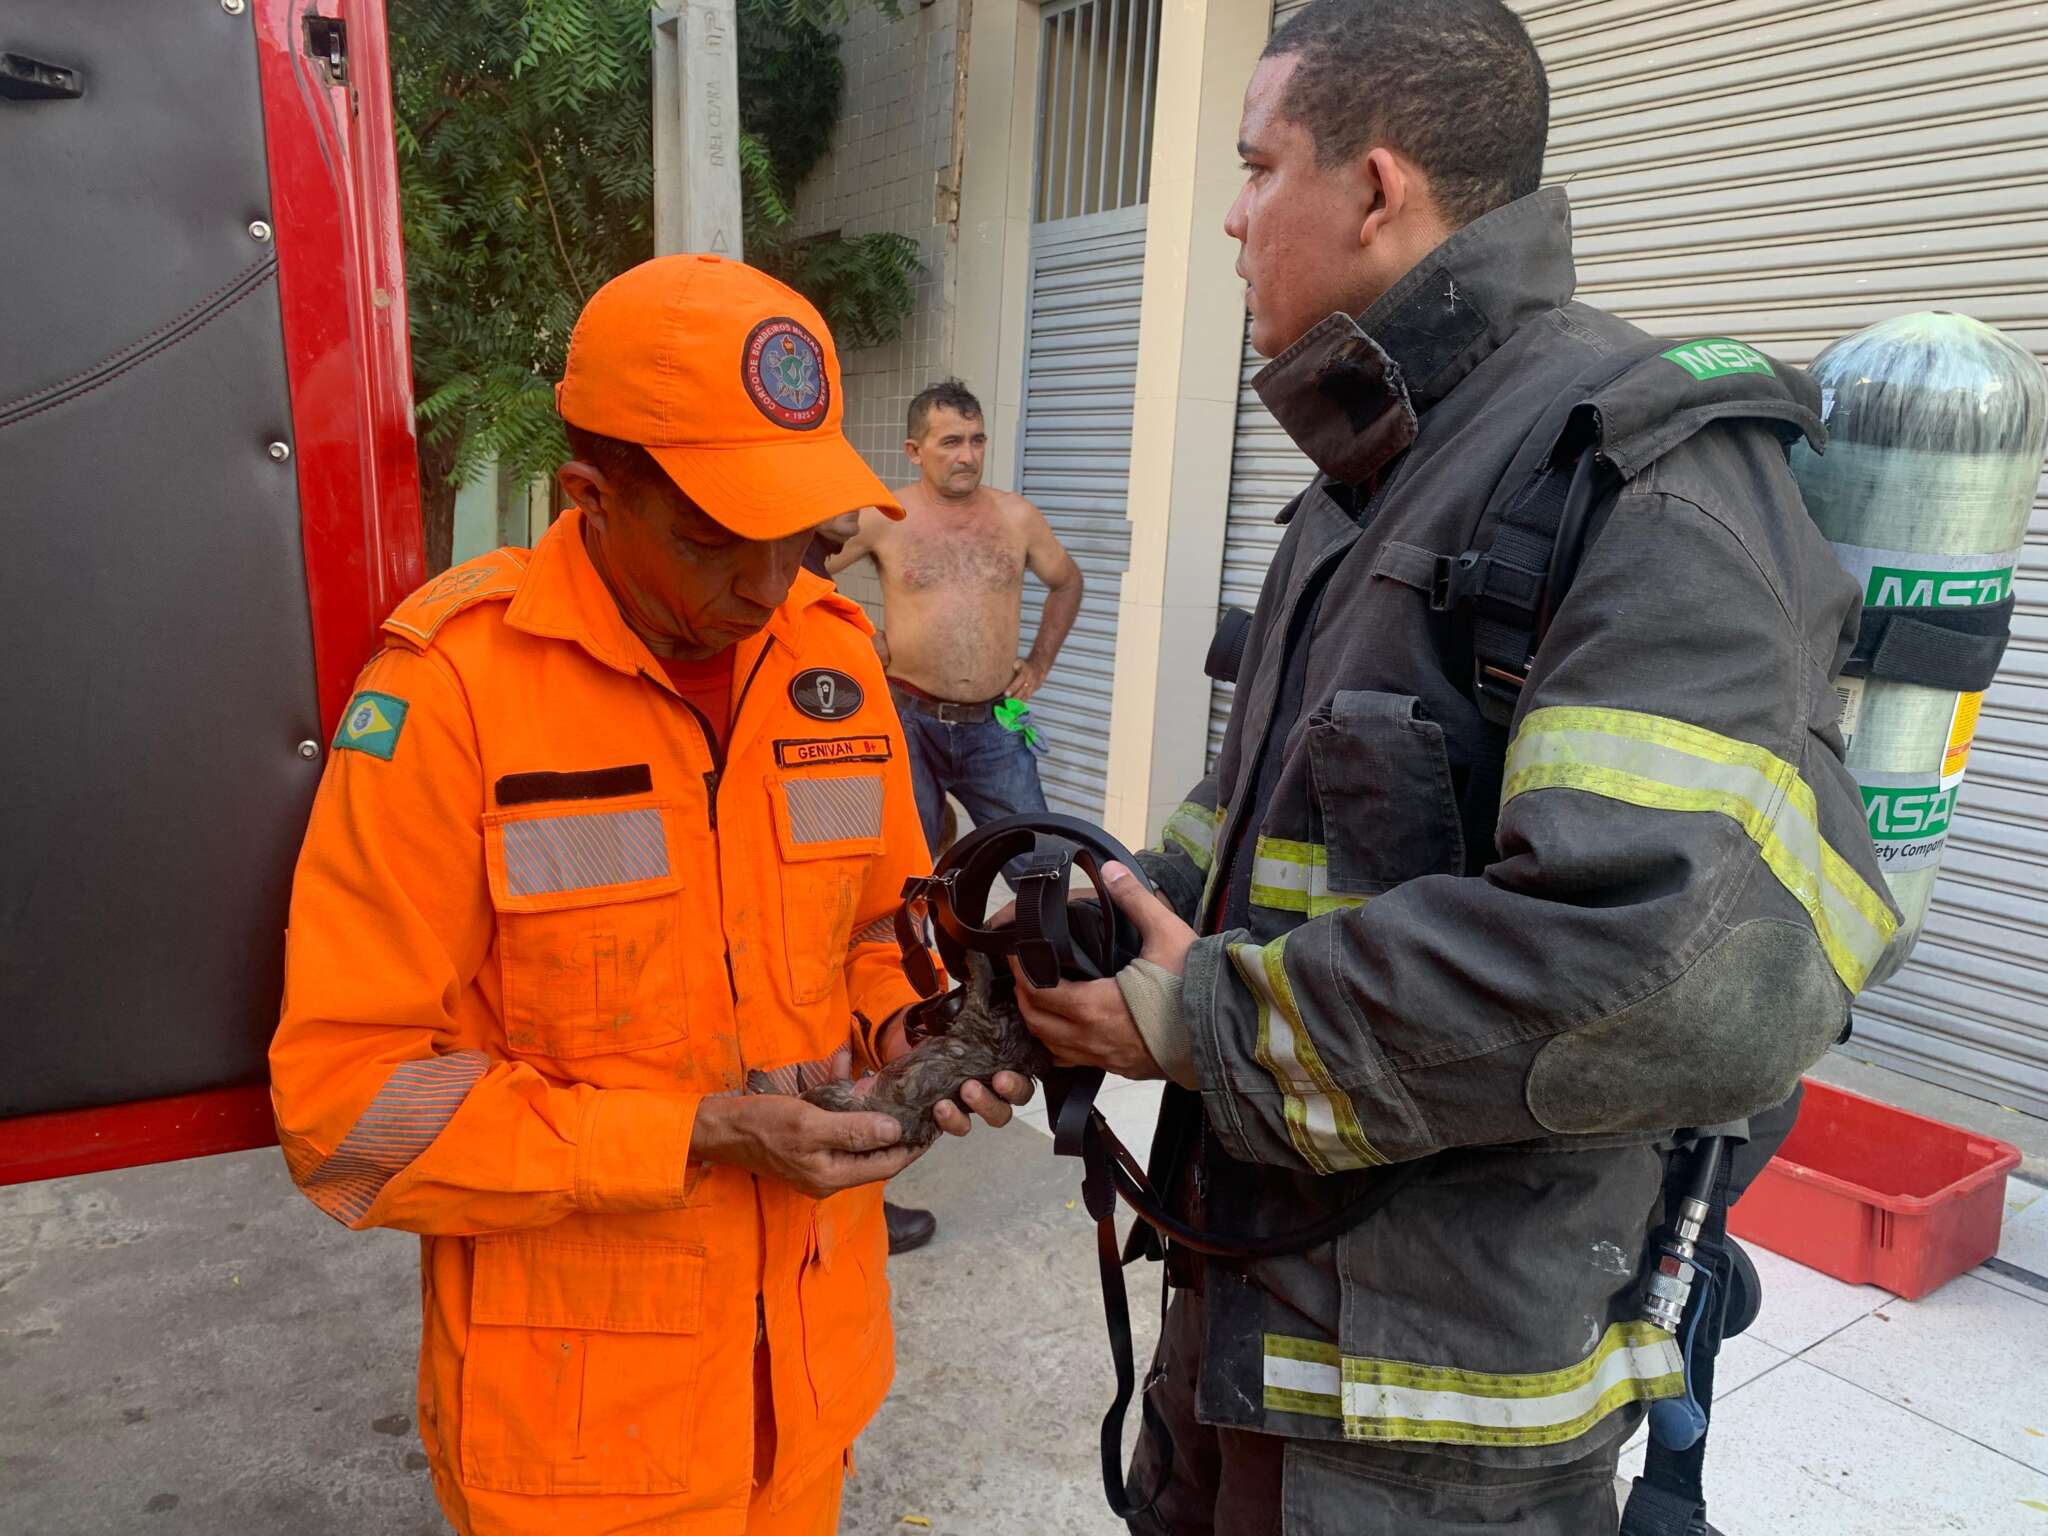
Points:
[(1658, 924)]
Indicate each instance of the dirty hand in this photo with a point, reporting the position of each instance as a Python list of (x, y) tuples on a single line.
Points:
[(816, 1150), (994, 1100), (1086, 1023), (1027, 679)]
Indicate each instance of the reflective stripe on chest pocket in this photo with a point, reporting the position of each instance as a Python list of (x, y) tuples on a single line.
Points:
[(828, 828), (589, 929), (1383, 792)]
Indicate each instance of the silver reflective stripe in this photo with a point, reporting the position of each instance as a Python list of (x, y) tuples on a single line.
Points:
[(1664, 764), (831, 810), (416, 1101), (1193, 830), (1395, 1400), (546, 854), (1295, 877), (881, 931), (801, 1076)]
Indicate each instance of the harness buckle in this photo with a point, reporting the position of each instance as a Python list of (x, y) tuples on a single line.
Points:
[(1458, 578)]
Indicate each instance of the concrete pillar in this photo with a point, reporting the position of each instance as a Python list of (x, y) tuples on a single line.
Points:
[(696, 129), (1190, 343)]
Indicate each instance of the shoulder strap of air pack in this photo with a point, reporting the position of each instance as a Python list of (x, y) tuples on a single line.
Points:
[(1619, 415)]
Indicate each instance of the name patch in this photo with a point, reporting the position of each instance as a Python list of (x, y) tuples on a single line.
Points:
[(833, 749)]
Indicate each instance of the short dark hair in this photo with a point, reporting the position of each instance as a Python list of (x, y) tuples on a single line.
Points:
[(620, 460), (1455, 85), (950, 393)]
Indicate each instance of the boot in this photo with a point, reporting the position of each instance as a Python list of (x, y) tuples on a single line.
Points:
[(908, 1227)]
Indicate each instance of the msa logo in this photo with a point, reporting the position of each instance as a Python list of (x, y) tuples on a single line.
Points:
[(1714, 359), (1900, 814), (1896, 587)]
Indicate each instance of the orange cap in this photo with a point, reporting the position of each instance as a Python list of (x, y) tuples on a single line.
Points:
[(730, 380)]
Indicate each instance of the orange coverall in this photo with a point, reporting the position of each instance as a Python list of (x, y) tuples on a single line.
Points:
[(536, 920)]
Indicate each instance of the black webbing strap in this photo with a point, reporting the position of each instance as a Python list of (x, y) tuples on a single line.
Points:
[(1957, 648), (1670, 1499), (1098, 1194), (1503, 584)]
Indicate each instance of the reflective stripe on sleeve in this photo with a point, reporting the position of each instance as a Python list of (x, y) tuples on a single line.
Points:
[(1394, 1400), (417, 1100), (1192, 830), (1321, 1119), (1295, 877), (881, 931), (1665, 764)]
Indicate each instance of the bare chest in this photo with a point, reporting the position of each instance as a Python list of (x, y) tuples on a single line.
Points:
[(976, 560)]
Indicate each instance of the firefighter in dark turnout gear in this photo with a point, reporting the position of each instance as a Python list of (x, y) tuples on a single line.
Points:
[(1521, 954)]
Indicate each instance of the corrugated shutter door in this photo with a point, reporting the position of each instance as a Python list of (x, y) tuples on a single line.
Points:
[(1081, 369), (1789, 177), (1266, 470)]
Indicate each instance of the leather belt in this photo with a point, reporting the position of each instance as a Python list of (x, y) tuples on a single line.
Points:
[(945, 711)]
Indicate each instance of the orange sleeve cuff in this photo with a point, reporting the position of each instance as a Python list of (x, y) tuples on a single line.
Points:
[(882, 1000), (633, 1149)]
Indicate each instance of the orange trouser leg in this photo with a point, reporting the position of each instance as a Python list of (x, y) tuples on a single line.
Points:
[(815, 1512)]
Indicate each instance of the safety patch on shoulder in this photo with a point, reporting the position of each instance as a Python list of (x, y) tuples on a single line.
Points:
[(496, 575), (1717, 357), (371, 724)]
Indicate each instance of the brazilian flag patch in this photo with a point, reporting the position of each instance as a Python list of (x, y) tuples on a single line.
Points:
[(371, 724)]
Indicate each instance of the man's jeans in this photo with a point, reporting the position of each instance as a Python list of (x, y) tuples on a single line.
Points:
[(990, 770)]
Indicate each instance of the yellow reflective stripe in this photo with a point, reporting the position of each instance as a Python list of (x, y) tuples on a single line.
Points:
[(1303, 1376), (1295, 877), (1321, 1120), (1192, 829), (1665, 764), (1395, 1400)]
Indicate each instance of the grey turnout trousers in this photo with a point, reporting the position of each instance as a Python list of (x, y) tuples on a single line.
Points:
[(1240, 1482)]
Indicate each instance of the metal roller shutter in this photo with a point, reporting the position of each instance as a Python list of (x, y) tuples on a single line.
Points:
[(1081, 369), (1266, 470), (1788, 173)]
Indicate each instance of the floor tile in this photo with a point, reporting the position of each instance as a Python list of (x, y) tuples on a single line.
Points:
[(2024, 1240), (1132, 1110), (1742, 1360), (1803, 1306), (1970, 1356), (1799, 1452)]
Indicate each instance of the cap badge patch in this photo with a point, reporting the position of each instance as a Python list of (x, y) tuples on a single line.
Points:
[(783, 369), (824, 694)]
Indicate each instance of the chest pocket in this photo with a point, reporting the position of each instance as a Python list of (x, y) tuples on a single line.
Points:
[(589, 929), (1384, 793), (828, 827)]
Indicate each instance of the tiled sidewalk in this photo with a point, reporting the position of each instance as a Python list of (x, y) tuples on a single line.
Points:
[(1847, 1412)]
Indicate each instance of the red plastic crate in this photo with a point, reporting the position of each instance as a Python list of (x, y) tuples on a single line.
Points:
[(1877, 1196)]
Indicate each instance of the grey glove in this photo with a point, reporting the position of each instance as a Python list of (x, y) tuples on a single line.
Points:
[(1152, 993)]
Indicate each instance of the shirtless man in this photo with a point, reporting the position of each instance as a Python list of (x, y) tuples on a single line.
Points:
[(952, 597)]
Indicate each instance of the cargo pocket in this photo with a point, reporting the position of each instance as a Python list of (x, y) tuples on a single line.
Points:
[(1383, 791), (581, 1370), (829, 829), (843, 1292), (589, 930)]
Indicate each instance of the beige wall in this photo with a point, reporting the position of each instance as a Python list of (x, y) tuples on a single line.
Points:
[(1190, 336)]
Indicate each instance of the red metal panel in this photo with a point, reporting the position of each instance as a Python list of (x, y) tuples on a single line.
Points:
[(154, 1131), (341, 277)]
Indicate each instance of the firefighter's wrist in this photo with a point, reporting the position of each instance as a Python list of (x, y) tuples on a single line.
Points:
[(1153, 995)]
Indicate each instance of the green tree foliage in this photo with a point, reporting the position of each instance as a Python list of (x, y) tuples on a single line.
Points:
[(526, 180)]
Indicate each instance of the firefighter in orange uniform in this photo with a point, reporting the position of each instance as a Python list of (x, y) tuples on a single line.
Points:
[(605, 827)]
